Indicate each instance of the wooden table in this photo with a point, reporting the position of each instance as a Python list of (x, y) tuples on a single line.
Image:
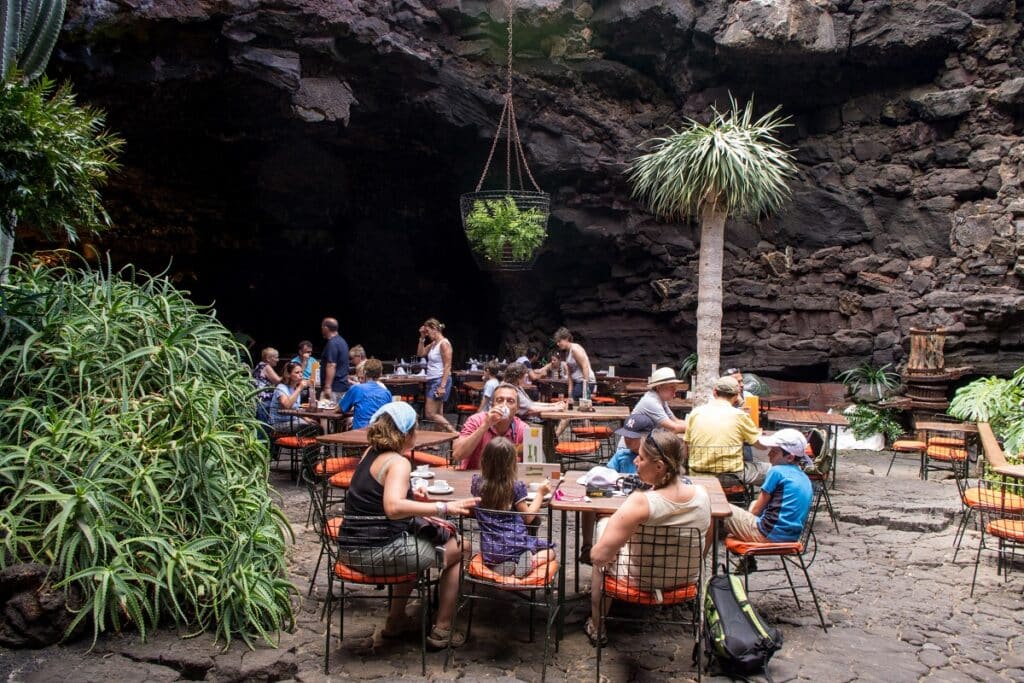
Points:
[(830, 422), (600, 414), (1015, 471), (461, 480), (777, 400), (332, 416), (575, 503), (357, 438)]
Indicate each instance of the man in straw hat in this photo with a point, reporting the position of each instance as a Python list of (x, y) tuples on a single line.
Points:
[(716, 432)]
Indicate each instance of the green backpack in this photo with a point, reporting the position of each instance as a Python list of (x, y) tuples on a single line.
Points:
[(737, 640)]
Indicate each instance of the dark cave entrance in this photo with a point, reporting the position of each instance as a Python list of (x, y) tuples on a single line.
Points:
[(280, 222)]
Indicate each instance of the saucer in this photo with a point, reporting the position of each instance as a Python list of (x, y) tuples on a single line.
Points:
[(422, 475), (439, 492), (530, 495)]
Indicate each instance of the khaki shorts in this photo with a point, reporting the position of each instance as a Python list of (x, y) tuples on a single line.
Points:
[(743, 525)]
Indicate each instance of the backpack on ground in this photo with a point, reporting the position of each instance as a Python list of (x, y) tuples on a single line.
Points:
[(737, 640)]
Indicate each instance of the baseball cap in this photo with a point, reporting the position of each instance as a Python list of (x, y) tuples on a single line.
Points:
[(727, 386), (789, 440), (636, 426)]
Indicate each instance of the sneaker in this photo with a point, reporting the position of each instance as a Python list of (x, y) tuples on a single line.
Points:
[(584, 557), (746, 565)]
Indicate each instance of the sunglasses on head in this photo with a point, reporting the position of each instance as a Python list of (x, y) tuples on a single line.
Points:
[(651, 442)]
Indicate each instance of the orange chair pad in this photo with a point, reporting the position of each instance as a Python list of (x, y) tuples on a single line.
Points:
[(295, 441), (577, 447), (990, 499), (622, 589), (738, 547), (333, 527), (346, 573), (946, 454), (540, 576), (734, 490), (593, 432), (466, 408), (603, 400), (341, 480), (335, 465), (421, 458), (909, 446), (948, 441), (1010, 529)]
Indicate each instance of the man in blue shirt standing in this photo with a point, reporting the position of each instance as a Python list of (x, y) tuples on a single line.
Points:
[(333, 362), (780, 511)]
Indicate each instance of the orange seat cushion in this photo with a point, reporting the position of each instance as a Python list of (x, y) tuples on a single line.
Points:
[(577, 447), (342, 479), (621, 589), (295, 441), (466, 408), (993, 500), (334, 465), (603, 401), (909, 446), (541, 575), (738, 547), (421, 458), (346, 573), (598, 432), (333, 527), (1010, 529), (950, 441), (946, 454), (734, 490)]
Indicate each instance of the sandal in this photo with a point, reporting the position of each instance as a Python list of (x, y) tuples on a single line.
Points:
[(400, 629), (591, 632), (438, 638)]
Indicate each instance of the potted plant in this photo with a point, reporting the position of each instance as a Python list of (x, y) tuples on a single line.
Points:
[(500, 231), (867, 383), (867, 420)]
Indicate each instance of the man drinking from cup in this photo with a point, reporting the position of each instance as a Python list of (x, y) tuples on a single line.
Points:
[(479, 429)]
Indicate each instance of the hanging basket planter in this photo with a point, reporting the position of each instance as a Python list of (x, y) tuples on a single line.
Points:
[(505, 228)]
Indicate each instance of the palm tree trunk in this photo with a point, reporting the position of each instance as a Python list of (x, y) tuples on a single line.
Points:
[(709, 302), (6, 246)]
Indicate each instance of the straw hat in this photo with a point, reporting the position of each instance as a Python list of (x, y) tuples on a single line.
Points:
[(663, 376)]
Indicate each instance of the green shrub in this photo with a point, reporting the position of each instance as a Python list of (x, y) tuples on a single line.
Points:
[(866, 420), (130, 457), (997, 401), (498, 226)]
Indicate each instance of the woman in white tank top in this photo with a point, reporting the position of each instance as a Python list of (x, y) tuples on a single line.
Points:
[(438, 351), (622, 550)]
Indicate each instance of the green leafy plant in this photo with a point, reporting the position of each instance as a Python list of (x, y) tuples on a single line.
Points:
[(866, 420), (688, 367), (869, 382), (54, 157), (498, 229), (997, 401), (734, 164), (130, 457)]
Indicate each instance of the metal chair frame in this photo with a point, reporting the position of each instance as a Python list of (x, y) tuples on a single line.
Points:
[(823, 455), (656, 545), (472, 534), (807, 540)]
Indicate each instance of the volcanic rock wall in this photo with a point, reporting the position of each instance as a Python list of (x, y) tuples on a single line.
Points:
[(907, 124)]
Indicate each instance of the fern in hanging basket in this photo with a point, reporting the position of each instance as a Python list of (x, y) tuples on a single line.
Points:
[(499, 230)]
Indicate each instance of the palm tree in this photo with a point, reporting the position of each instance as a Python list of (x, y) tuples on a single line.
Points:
[(734, 164)]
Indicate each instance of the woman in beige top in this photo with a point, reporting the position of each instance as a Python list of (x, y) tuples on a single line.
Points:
[(674, 501)]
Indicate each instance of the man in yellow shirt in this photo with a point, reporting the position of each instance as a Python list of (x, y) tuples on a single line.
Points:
[(716, 433)]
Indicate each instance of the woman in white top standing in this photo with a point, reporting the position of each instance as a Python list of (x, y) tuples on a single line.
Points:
[(577, 363), (438, 351)]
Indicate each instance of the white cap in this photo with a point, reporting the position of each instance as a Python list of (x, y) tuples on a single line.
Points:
[(789, 440)]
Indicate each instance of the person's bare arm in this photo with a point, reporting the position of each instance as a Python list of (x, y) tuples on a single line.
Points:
[(446, 371), (673, 424), (582, 360), (634, 512), (758, 505), (329, 370), (397, 506), (271, 374)]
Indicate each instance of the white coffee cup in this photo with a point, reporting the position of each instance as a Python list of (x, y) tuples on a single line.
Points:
[(423, 468), (534, 486), (440, 484)]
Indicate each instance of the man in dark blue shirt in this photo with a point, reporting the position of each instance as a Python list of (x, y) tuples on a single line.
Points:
[(333, 362)]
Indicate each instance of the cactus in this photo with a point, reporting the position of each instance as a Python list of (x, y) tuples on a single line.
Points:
[(28, 32)]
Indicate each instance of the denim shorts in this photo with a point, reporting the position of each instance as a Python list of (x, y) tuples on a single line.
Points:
[(433, 384), (404, 555)]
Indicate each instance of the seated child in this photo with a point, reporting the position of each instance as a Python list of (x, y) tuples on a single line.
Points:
[(506, 542)]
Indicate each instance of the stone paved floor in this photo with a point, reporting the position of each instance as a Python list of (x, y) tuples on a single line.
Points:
[(899, 610)]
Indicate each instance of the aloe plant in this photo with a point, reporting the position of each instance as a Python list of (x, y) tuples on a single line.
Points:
[(130, 457)]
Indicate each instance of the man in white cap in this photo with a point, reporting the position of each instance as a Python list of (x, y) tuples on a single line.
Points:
[(780, 511), (716, 432)]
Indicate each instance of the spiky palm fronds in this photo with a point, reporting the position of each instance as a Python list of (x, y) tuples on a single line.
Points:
[(734, 163)]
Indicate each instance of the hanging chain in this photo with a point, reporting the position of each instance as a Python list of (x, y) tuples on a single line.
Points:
[(513, 145)]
